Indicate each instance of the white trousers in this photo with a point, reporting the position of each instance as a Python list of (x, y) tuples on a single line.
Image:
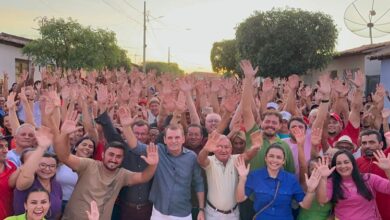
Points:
[(156, 215), (212, 214)]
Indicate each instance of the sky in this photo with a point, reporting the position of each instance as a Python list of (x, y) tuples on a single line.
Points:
[(188, 27)]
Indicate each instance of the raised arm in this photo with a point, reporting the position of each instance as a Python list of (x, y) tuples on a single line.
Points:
[(27, 174), (291, 104), (187, 88), (311, 184), (11, 104), (257, 142), (242, 173), (323, 109), (26, 107), (323, 168), (300, 137), (152, 160), (61, 141), (126, 121), (210, 147), (357, 105), (87, 119), (249, 72)]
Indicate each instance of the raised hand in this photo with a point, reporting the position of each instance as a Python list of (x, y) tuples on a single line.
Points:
[(11, 103), (215, 85), (230, 103), (268, 85), (386, 113), (323, 167), (151, 155), (70, 123), (313, 181), (44, 137), (316, 136), (181, 103), (94, 214), (185, 86), (341, 88), (246, 66), (241, 168), (324, 88), (102, 94), (125, 116), (299, 135), (257, 139), (382, 162), (359, 79), (212, 142), (293, 81), (22, 94), (307, 91)]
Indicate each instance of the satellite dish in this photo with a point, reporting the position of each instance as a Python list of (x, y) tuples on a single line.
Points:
[(368, 18)]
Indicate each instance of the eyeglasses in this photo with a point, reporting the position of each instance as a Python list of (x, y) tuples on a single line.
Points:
[(50, 166), (3, 146)]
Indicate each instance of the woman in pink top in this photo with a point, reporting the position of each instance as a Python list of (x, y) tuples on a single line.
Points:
[(352, 193)]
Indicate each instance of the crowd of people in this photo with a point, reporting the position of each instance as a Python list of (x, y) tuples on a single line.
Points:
[(131, 145)]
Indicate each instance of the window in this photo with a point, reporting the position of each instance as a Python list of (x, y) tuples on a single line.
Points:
[(20, 66)]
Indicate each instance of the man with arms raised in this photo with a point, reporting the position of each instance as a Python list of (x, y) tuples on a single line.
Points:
[(100, 181), (177, 171), (222, 177)]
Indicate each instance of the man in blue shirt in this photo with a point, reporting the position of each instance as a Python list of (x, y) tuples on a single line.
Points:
[(177, 171)]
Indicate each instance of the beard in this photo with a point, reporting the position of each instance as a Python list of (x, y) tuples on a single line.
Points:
[(111, 168)]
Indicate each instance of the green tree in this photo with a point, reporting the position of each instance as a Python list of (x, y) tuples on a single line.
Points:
[(162, 67), (224, 57), (67, 44), (283, 42)]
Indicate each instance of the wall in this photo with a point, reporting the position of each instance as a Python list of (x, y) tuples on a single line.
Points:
[(7, 61), (385, 78)]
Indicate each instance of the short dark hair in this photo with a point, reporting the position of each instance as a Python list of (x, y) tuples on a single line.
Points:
[(140, 123), (173, 127), (196, 126), (51, 155), (371, 132), (81, 140), (276, 146), (298, 119), (34, 190), (272, 112), (116, 144)]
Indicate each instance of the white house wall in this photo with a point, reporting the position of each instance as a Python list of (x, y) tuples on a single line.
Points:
[(8, 54)]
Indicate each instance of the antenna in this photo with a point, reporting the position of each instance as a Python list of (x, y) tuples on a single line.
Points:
[(368, 18)]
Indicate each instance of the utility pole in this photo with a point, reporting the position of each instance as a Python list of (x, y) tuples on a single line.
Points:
[(169, 55), (144, 44)]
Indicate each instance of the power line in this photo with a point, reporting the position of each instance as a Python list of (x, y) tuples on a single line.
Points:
[(121, 11), (128, 4)]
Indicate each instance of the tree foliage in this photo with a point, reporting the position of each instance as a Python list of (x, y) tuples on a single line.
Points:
[(162, 67), (281, 42), (67, 44), (224, 57)]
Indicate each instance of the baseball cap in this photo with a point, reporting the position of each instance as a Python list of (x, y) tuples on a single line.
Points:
[(337, 118), (272, 105), (285, 115)]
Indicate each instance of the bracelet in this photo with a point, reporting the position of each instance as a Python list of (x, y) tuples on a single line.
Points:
[(324, 101), (201, 209), (310, 192)]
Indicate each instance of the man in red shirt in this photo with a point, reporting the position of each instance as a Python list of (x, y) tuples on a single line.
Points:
[(351, 127), (371, 141), (6, 169)]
